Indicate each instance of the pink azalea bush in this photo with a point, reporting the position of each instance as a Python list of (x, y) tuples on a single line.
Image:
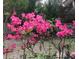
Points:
[(33, 22), (63, 32), (31, 28)]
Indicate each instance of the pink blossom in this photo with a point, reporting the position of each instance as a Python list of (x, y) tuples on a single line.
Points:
[(9, 26), (42, 27), (39, 18), (61, 34), (13, 29), (30, 16), (28, 26), (62, 27), (65, 32), (23, 14), (15, 20), (58, 23), (18, 36), (69, 31), (20, 28), (10, 36)]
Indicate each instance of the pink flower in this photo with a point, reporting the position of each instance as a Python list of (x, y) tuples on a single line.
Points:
[(42, 27), (28, 26), (58, 23), (10, 36), (13, 29), (65, 32), (39, 18), (30, 16), (9, 26), (23, 14), (16, 36), (69, 31), (62, 27), (61, 34), (15, 20)]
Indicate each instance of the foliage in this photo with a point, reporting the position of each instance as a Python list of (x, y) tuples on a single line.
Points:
[(51, 9)]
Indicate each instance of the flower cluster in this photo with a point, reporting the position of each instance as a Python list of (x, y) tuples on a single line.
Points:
[(33, 24), (31, 28), (64, 30), (40, 24)]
